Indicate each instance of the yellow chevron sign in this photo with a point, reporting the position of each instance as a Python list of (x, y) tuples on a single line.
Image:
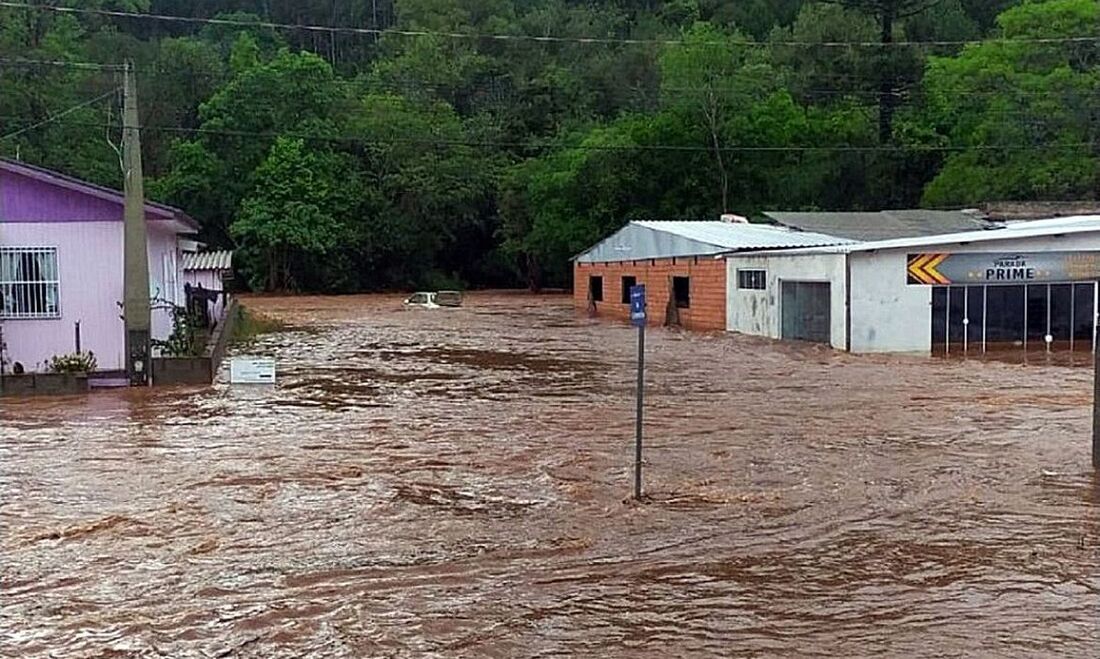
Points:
[(922, 269)]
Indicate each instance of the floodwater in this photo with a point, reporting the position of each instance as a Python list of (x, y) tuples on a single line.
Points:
[(454, 483)]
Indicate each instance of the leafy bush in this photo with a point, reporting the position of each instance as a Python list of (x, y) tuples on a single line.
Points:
[(77, 362), (182, 342)]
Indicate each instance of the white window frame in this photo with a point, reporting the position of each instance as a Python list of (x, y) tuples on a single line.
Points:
[(8, 285), (753, 272)]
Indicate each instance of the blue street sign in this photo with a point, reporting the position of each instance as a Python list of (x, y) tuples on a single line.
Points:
[(637, 305)]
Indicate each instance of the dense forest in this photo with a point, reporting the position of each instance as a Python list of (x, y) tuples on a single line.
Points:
[(347, 145)]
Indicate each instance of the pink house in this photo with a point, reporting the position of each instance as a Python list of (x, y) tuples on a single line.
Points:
[(61, 265)]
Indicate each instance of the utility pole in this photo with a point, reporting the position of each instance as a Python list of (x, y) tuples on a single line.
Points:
[(135, 274)]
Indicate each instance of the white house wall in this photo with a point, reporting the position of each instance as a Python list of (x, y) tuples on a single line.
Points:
[(888, 315), (758, 312)]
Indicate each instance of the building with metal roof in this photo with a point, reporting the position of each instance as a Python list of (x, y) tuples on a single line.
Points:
[(677, 263), (668, 239), (221, 261), (883, 225), (1028, 287)]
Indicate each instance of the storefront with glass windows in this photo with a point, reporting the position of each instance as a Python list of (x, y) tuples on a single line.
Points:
[(1057, 317), (1026, 287)]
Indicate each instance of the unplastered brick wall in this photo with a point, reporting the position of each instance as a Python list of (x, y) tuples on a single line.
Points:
[(707, 282)]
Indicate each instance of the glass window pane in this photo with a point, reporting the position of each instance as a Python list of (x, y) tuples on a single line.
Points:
[(976, 315), (939, 318), (1036, 315), (1061, 310), (956, 313), (1083, 298), (1004, 323)]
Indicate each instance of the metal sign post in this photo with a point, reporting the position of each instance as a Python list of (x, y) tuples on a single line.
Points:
[(638, 319), (1096, 410)]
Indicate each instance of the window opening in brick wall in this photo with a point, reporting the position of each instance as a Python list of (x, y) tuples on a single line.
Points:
[(595, 288), (628, 283), (681, 292)]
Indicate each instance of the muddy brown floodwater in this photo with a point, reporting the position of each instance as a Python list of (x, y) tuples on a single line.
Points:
[(453, 483)]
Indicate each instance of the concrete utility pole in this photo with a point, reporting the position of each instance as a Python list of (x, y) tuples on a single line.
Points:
[(135, 276)]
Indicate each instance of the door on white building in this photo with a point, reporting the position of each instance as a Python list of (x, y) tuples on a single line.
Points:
[(805, 311)]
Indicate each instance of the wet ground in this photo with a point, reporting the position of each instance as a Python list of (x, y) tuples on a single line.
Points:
[(454, 483)]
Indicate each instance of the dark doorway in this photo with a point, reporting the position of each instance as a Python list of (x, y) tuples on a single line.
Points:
[(628, 283), (805, 311), (681, 291), (595, 288)]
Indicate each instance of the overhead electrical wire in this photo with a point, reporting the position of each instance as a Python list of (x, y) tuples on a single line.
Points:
[(607, 41), (58, 116), (903, 91), (555, 144)]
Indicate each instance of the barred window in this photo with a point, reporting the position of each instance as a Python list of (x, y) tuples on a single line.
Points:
[(29, 283), (752, 279)]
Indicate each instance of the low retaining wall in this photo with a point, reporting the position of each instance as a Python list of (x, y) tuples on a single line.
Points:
[(43, 384), (169, 371)]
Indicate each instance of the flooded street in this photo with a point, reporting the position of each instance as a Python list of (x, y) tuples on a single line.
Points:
[(454, 483)]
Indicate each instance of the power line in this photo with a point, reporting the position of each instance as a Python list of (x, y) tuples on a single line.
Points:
[(606, 41), (91, 66), (551, 144), (58, 116), (904, 91)]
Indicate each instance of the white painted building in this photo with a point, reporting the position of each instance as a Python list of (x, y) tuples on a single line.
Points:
[(1030, 285)]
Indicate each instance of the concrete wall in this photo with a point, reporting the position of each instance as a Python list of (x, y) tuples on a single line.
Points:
[(888, 315), (708, 289), (199, 370), (89, 261), (759, 313), (43, 384)]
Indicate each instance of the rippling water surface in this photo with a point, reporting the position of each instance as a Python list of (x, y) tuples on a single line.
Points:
[(453, 483)]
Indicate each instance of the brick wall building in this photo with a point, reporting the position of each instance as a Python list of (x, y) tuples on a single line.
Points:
[(680, 266), (696, 286)]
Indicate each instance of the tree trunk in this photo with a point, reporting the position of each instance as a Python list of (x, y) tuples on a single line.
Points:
[(534, 274), (886, 80), (272, 270), (710, 110)]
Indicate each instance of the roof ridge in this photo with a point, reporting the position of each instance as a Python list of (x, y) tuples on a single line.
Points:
[(39, 172)]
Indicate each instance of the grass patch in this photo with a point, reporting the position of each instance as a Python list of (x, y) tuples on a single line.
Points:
[(251, 325)]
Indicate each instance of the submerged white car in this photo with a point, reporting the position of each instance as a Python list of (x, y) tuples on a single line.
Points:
[(426, 300), (434, 300)]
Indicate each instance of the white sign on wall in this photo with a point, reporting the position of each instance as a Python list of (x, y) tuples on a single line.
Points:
[(252, 370)]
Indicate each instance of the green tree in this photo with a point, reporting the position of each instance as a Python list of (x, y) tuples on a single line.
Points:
[(1024, 114), (294, 212)]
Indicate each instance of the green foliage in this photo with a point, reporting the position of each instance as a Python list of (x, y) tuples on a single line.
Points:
[(76, 362), (184, 339), (341, 162), (251, 324), (1027, 109), (294, 212)]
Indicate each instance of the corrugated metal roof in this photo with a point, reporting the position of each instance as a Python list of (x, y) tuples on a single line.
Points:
[(883, 225), (667, 239), (208, 261), (736, 235), (1033, 229)]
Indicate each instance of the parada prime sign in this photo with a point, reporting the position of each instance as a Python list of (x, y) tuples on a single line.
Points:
[(942, 269)]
